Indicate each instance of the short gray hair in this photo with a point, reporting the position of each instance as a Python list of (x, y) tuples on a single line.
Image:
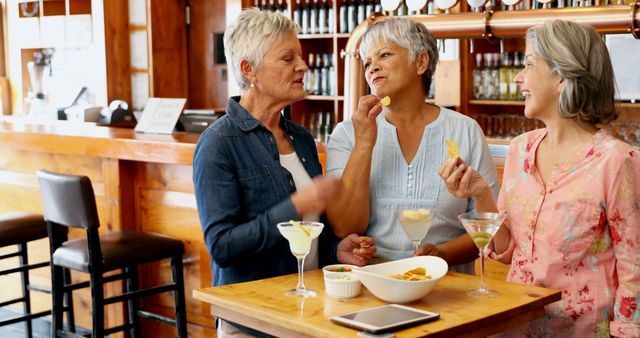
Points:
[(578, 54), (249, 38), (409, 34)]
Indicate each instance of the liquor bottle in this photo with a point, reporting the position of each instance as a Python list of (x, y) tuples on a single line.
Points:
[(297, 14), (305, 18), (344, 21), (283, 8), (513, 87), (332, 75), (328, 127), (326, 77), (487, 90), (477, 78), (505, 76), (317, 76), (369, 8), (319, 136), (309, 79), (517, 68), (331, 17), (362, 9), (377, 7), (495, 77), (323, 28), (256, 4), (352, 15), (313, 17), (402, 9), (272, 6)]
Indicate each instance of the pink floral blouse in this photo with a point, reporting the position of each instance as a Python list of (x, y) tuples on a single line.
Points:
[(580, 234)]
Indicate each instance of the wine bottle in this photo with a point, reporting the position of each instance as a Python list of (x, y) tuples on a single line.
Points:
[(313, 17), (297, 14), (317, 75), (305, 18), (326, 79), (322, 18), (362, 9), (352, 15), (344, 16)]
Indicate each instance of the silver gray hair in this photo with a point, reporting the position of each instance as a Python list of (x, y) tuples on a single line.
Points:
[(409, 34), (578, 54), (249, 38)]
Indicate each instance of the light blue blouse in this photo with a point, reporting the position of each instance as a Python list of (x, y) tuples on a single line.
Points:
[(394, 182)]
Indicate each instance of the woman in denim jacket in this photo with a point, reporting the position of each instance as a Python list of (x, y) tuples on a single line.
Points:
[(253, 168)]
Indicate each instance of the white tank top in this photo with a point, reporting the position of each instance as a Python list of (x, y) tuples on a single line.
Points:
[(302, 180)]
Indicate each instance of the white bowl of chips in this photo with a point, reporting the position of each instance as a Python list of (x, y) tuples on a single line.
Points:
[(420, 275)]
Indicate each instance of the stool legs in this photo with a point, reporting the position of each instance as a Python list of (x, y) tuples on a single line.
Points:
[(97, 299), (24, 274), (57, 295), (71, 322), (132, 304), (178, 294)]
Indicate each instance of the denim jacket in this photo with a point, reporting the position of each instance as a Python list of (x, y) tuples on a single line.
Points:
[(242, 192)]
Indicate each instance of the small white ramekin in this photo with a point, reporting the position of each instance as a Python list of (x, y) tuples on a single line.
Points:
[(338, 286)]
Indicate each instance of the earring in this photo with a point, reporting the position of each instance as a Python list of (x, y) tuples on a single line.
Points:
[(252, 84)]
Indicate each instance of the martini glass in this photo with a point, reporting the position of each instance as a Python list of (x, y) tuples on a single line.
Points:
[(482, 226), (300, 235), (415, 221)]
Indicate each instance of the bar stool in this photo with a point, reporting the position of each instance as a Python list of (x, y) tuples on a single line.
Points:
[(69, 201), (19, 228)]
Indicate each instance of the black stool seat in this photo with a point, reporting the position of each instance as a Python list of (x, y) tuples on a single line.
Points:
[(119, 249), (21, 227)]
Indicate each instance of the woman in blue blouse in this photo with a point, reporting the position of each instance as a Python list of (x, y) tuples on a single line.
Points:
[(388, 156), (253, 168)]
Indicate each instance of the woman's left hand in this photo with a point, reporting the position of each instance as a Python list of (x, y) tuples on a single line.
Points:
[(356, 250)]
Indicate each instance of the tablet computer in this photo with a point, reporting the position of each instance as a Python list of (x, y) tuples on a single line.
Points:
[(385, 318)]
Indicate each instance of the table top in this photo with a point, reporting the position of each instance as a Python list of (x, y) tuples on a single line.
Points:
[(262, 305)]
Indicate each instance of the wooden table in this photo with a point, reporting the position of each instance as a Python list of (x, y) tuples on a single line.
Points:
[(262, 305)]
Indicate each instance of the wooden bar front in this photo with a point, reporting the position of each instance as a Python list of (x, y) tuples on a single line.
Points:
[(141, 182)]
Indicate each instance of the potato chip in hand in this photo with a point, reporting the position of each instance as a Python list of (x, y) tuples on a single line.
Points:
[(385, 101), (452, 149)]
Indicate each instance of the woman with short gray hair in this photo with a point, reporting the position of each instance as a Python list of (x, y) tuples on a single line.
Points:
[(388, 157), (570, 191), (252, 168)]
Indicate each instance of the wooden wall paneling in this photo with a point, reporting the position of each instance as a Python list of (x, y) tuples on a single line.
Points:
[(165, 204), (207, 80), (168, 36), (117, 49)]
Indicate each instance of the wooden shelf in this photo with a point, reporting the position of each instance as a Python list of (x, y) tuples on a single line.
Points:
[(628, 105), (324, 98), (314, 36), (343, 35), (497, 102)]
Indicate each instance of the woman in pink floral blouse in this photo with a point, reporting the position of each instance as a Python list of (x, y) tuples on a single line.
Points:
[(570, 191)]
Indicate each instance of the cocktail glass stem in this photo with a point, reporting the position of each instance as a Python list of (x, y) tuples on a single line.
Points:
[(416, 246), (300, 288), (483, 284)]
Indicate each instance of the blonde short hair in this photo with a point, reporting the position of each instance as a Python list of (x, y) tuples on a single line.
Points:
[(578, 54), (249, 38), (409, 34)]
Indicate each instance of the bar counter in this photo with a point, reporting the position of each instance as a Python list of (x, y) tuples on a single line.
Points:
[(141, 181)]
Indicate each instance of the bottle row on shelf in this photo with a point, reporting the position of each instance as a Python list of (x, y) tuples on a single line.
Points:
[(314, 17), (270, 5), (493, 76), (321, 76), (319, 124)]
